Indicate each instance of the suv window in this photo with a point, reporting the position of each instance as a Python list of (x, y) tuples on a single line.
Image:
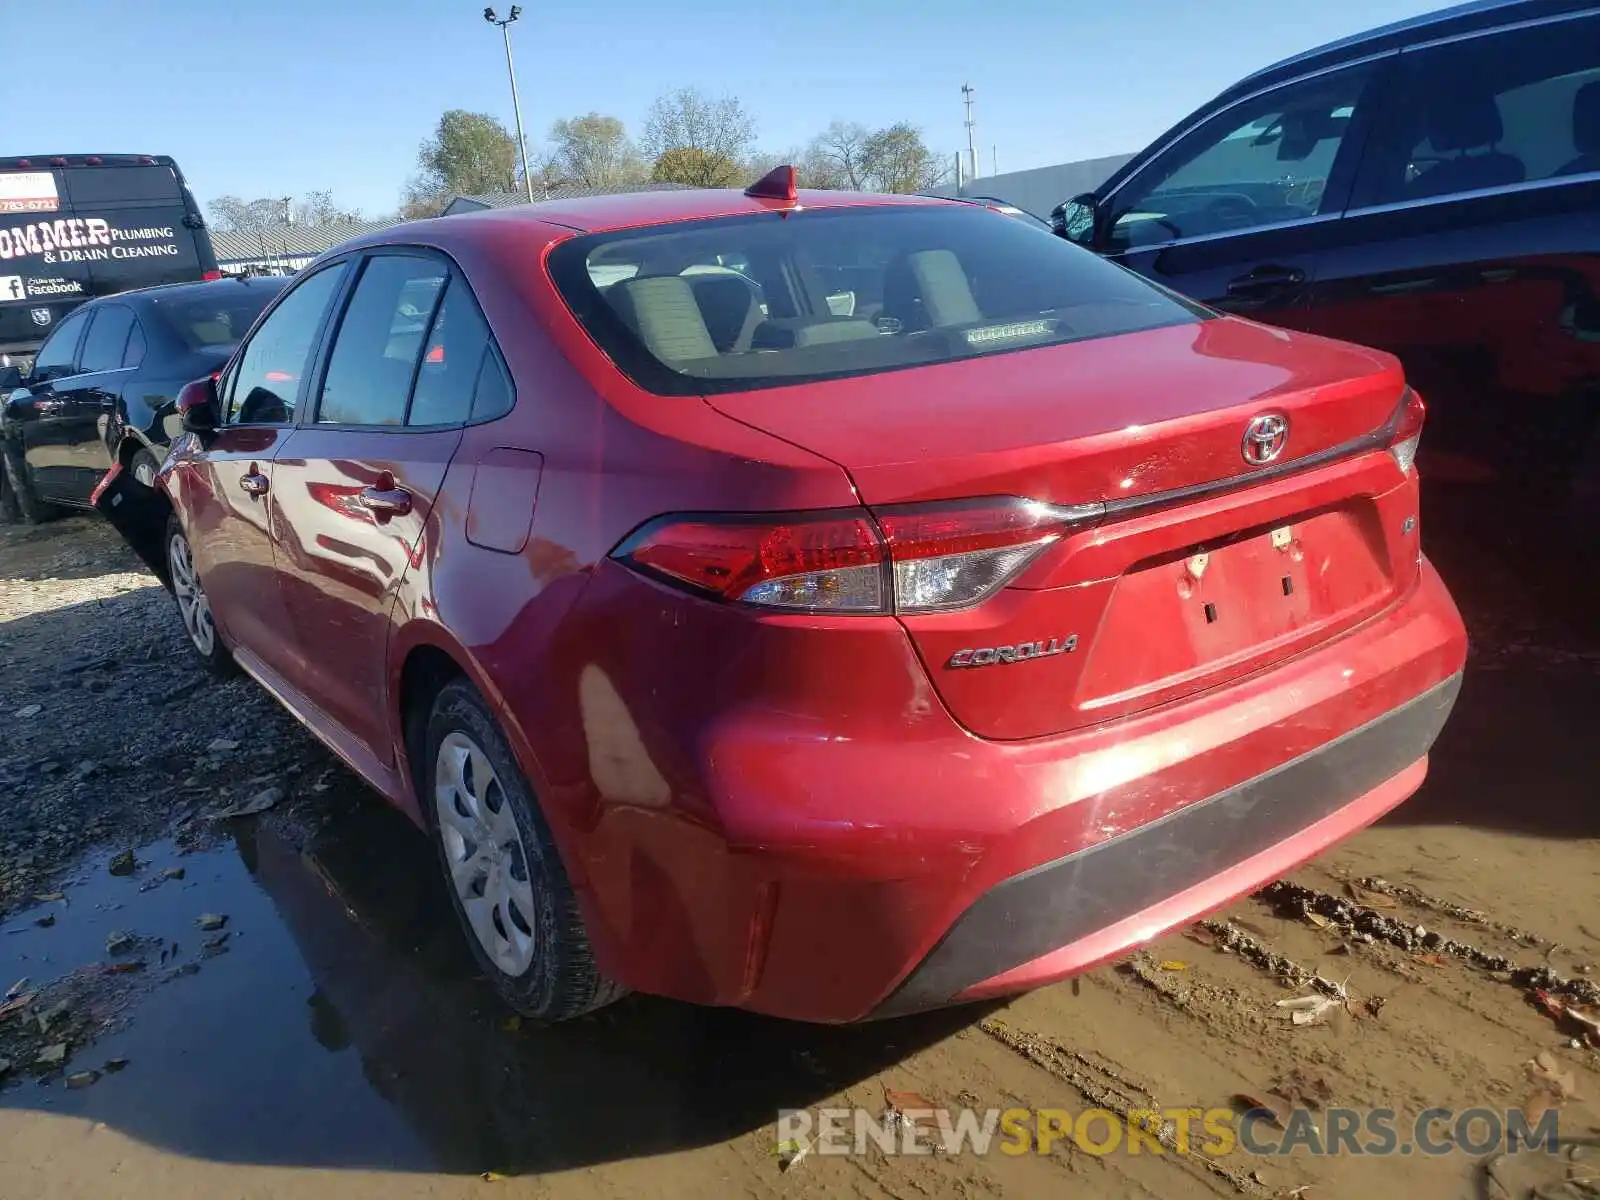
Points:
[(1261, 163), (1511, 107), (266, 383), (380, 339), (58, 356), (107, 338), (449, 370), (941, 283)]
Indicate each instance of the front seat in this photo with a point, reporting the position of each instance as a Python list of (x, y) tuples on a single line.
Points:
[(1585, 130), (1460, 122), (731, 311)]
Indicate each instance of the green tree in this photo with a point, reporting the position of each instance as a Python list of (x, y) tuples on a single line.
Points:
[(696, 167), (593, 150), (468, 153), (895, 159)]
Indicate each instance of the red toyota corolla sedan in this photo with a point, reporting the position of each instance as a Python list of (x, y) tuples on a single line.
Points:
[(824, 604)]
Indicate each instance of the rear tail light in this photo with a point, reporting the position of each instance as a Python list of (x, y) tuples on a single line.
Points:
[(902, 558), (1404, 431), (210, 275)]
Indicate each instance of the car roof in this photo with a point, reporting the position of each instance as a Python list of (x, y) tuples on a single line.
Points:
[(1457, 18), (197, 289), (625, 210)]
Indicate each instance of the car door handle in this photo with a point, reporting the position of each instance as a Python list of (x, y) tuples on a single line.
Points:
[(255, 483), (385, 502), (1265, 281)]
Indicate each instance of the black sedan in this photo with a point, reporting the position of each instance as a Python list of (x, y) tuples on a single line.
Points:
[(102, 387)]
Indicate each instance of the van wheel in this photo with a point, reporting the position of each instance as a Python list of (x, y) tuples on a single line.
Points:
[(29, 506), (143, 467), (505, 876), (194, 606)]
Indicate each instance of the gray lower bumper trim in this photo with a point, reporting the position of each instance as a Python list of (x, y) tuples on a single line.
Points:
[(1055, 904)]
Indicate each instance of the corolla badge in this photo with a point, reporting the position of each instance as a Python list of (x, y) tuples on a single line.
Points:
[(1264, 438), (988, 656)]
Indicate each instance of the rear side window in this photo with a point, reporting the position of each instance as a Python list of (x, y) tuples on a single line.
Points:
[(494, 396), (137, 344), (108, 338), (102, 185), (266, 383), (1513, 107), (448, 373), (379, 341), (213, 316), (773, 299), (58, 356)]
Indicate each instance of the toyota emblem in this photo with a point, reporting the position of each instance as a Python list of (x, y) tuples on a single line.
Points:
[(1264, 438)]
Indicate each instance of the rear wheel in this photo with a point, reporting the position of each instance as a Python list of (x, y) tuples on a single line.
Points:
[(194, 606), (28, 505), (505, 876)]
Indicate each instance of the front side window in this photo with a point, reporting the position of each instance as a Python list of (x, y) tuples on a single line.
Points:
[(266, 382), (107, 339), (1512, 107), (58, 356), (380, 338), (827, 293), (1263, 162)]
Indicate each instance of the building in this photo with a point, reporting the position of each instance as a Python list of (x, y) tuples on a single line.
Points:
[(284, 249), (1041, 189), (462, 204)]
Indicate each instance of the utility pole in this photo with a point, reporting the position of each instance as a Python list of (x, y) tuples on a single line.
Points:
[(972, 144), (516, 104)]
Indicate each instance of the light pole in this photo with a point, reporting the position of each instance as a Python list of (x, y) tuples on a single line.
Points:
[(516, 104)]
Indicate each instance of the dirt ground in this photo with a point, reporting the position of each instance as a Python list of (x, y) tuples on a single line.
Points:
[(279, 1004)]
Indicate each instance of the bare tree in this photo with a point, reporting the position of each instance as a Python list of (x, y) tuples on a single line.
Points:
[(837, 157), (593, 150), (230, 214), (688, 119), (318, 208)]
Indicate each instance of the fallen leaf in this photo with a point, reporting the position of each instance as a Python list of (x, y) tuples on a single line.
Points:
[(492, 1177), (1317, 919), (1199, 933), (1249, 1103), (82, 1079), (903, 1102), (1431, 960), (257, 803), (210, 922), (1561, 1010), (1298, 1087), (791, 1153), (1367, 896), (1366, 1010), (1174, 964), (1546, 1070)]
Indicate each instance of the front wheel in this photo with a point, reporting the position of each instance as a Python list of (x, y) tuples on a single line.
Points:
[(505, 876), (194, 606)]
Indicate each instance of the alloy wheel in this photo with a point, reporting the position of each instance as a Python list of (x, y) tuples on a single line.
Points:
[(485, 853), (193, 605)]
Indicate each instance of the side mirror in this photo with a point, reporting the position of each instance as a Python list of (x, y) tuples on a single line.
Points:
[(197, 406), (11, 378), (1077, 219)]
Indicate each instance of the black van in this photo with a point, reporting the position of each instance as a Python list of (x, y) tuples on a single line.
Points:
[(1430, 188), (76, 226)]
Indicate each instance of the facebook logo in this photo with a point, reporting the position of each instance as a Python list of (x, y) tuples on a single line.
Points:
[(11, 288)]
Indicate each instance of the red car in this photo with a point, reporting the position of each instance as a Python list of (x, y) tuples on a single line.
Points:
[(824, 604)]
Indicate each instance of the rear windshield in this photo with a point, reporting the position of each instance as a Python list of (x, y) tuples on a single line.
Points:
[(771, 299), (217, 317)]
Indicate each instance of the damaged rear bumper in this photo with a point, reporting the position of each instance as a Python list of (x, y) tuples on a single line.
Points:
[(139, 514)]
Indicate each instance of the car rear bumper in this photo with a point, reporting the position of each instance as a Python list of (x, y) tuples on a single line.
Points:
[(841, 867)]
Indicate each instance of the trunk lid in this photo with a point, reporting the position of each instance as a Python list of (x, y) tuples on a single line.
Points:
[(1159, 600)]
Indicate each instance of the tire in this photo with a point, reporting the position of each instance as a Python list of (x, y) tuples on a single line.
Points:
[(143, 467), (194, 607), (526, 933), (28, 505), (10, 510)]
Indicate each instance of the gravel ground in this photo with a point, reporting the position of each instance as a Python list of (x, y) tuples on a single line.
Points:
[(1449, 956)]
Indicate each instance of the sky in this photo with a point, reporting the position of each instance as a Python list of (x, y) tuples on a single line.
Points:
[(279, 97)]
